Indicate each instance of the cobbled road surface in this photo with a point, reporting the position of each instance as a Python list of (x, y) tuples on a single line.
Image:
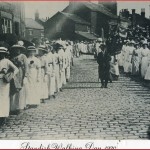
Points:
[(85, 111)]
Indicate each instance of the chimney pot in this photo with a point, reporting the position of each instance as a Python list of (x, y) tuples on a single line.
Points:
[(133, 11), (143, 12)]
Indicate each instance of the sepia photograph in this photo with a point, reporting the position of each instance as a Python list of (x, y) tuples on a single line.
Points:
[(74, 70)]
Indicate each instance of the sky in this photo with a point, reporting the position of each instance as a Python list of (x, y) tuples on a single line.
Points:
[(48, 9)]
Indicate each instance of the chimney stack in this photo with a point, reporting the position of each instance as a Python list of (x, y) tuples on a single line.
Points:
[(126, 13), (143, 12), (133, 11), (36, 15)]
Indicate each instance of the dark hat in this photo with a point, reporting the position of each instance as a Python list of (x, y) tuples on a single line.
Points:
[(58, 46)]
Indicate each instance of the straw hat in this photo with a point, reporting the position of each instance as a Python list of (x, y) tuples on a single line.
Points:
[(31, 48), (4, 50), (43, 48), (15, 47)]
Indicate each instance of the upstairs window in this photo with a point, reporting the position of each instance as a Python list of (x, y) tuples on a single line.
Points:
[(6, 25), (30, 32)]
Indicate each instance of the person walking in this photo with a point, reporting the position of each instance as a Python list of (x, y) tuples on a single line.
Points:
[(33, 79), (44, 77), (6, 66), (17, 94), (51, 72), (103, 60)]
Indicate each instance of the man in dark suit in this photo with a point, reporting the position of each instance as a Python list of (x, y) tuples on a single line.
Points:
[(103, 60)]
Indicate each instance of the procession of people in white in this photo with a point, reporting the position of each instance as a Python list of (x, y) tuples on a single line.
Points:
[(40, 73), (135, 59)]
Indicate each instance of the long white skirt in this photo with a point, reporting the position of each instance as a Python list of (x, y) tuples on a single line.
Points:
[(57, 85), (68, 72), (33, 96), (22, 98), (114, 69), (147, 76), (44, 85), (4, 99), (120, 59), (63, 77), (51, 84), (144, 66)]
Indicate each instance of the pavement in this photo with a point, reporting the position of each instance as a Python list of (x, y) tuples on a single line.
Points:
[(85, 111)]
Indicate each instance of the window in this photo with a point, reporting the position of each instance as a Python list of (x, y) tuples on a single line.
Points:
[(42, 34), (88, 29), (6, 25), (58, 27), (30, 32)]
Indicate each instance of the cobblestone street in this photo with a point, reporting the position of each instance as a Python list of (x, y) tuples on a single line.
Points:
[(85, 111)]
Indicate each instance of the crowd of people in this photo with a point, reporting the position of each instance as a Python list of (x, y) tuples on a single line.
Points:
[(29, 76), (135, 58)]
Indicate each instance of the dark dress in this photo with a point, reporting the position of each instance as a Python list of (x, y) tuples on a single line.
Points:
[(103, 60)]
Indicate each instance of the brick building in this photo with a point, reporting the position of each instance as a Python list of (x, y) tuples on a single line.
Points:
[(12, 18), (34, 28), (81, 20)]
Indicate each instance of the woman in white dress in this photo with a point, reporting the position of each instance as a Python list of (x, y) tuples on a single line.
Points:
[(51, 73), (17, 97), (129, 53), (114, 68), (33, 80), (44, 68), (135, 61), (147, 75), (56, 66), (144, 63), (5, 66)]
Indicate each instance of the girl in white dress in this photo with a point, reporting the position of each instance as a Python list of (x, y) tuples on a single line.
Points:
[(135, 61), (51, 73), (20, 60), (5, 66), (128, 64), (44, 68), (33, 79), (144, 63), (114, 68)]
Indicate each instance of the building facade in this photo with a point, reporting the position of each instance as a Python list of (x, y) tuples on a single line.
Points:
[(12, 18), (96, 16), (33, 30)]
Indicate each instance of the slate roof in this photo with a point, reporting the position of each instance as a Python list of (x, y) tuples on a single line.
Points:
[(31, 23), (99, 8), (75, 18)]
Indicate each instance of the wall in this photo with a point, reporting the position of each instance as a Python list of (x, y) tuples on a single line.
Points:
[(36, 34), (59, 26)]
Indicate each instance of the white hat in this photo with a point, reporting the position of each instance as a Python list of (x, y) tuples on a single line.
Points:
[(31, 48), (145, 43), (43, 48), (100, 39), (21, 43), (47, 42), (132, 42), (4, 50), (18, 46)]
